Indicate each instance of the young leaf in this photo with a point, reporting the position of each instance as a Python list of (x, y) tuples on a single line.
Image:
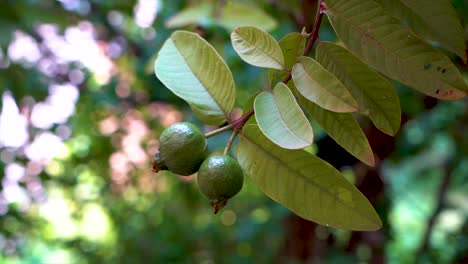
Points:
[(257, 47), (196, 14), (281, 119), (235, 14), (321, 87), (435, 20), (192, 69), (292, 45), (343, 129), (382, 42), (376, 96), (307, 185)]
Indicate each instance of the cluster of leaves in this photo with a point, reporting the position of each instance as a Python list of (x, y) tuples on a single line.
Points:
[(340, 81), (145, 223)]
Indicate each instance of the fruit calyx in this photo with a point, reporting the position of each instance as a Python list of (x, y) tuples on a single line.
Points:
[(158, 163), (219, 203), (219, 179)]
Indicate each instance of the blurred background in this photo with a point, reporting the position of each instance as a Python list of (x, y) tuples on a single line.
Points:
[(81, 112)]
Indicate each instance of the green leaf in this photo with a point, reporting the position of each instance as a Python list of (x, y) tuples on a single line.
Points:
[(307, 185), (375, 95), (257, 47), (235, 14), (292, 45), (192, 69), (196, 14), (249, 104), (343, 128), (281, 119), (321, 87), (394, 50), (435, 20)]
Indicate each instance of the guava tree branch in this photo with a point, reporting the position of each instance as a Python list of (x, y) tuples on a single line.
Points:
[(314, 35), (239, 123)]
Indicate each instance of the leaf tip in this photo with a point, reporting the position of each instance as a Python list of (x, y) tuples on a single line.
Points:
[(374, 227), (370, 160)]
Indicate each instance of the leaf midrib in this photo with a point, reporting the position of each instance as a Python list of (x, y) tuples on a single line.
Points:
[(330, 93), (358, 212), (352, 80), (284, 123), (349, 128), (226, 115), (428, 26), (261, 51), (368, 35)]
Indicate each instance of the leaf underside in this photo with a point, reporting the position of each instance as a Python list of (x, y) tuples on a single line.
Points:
[(305, 184), (434, 20), (386, 45), (292, 45), (257, 47), (192, 69), (321, 87), (343, 128), (281, 119), (376, 96)]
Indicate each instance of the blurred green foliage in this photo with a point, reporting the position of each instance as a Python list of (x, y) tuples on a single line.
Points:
[(100, 202)]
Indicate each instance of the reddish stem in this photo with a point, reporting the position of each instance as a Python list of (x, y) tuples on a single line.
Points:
[(315, 30), (313, 38), (239, 123)]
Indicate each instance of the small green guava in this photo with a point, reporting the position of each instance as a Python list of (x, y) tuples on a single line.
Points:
[(219, 179), (182, 148)]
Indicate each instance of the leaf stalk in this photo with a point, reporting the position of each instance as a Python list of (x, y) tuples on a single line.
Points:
[(218, 131)]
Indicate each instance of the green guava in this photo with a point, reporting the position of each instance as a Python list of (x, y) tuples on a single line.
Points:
[(182, 148), (219, 179)]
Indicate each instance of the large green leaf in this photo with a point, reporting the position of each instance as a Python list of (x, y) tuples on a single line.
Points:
[(192, 69), (281, 119), (376, 96), (257, 47), (292, 45), (236, 14), (321, 87), (435, 20), (343, 128), (382, 42), (307, 185), (197, 14)]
